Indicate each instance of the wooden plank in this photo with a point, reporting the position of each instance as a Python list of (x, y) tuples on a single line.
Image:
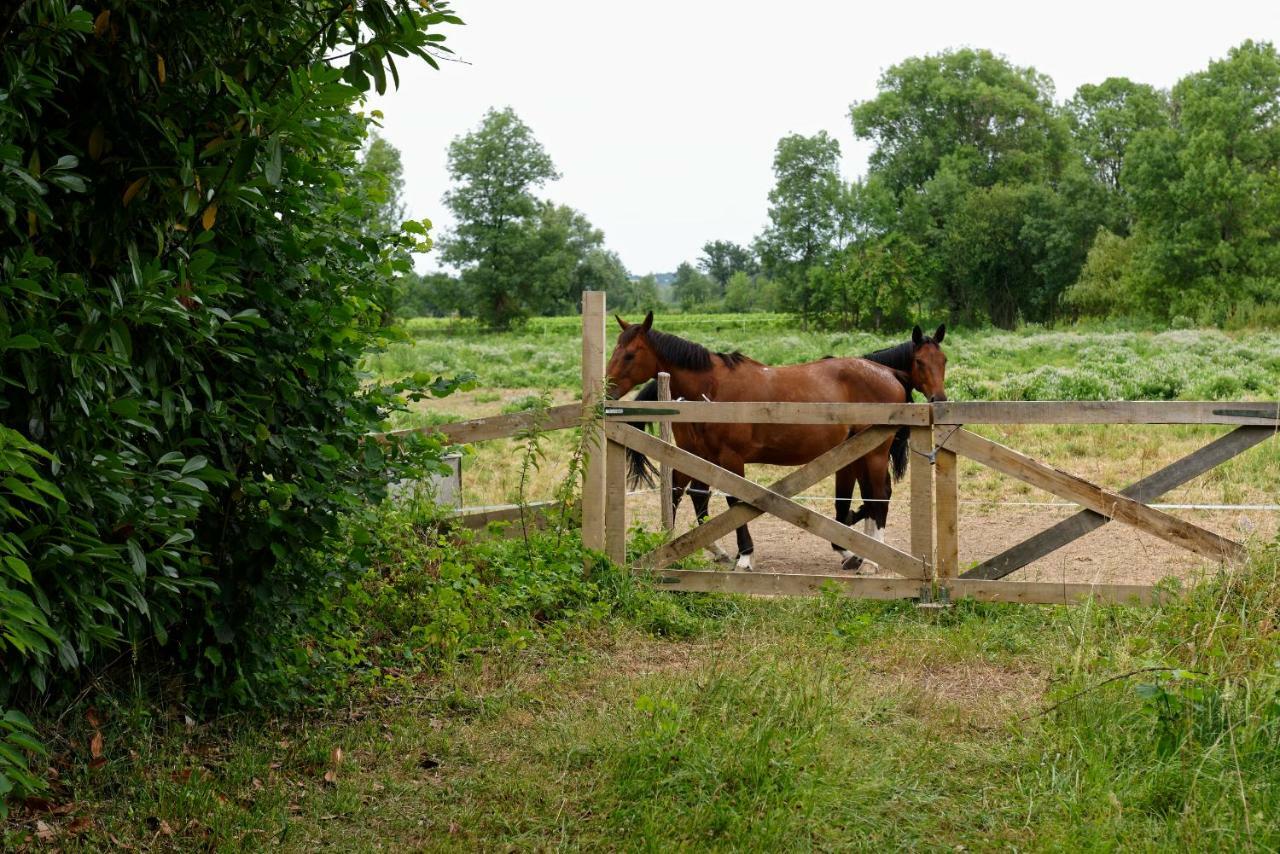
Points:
[(863, 587), (947, 502), (480, 517), (802, 478), (500, 426), (1051, 593), (770, 502), (784, 584), (768, 412), (1149, 488), (664, 470), (615, 504), (1168, 528), (1264, 414), (593, 481), (920, 456)]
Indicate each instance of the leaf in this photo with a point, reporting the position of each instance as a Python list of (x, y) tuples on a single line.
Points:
[(97, 139), (91, 715), (210, 216), (22, 342), (275, 160), (45, 832), (100, 23), (133, 190), (160, 68), (95, 744)]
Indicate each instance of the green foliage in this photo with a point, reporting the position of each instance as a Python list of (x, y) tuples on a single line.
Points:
[(693, 289), (1105, 119), (189, 282), (722, 259), (805, 214), (1106, 287), (635, 295), (1206, 190)]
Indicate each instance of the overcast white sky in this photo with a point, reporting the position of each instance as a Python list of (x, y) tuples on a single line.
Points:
[(662, 118)]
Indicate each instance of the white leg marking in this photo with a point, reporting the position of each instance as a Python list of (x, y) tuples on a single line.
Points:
[(744, 563), (875, 532)]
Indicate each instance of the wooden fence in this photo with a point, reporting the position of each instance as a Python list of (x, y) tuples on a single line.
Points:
[(929, 569)]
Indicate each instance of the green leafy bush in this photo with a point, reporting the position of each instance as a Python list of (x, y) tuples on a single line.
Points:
[(189, 278)]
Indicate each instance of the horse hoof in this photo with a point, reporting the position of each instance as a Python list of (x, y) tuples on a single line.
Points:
[(744, 563), (852, 563)]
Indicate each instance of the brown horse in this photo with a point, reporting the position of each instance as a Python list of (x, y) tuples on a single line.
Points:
[(698, 374)]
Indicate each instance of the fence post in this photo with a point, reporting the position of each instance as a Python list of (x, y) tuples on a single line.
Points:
[(594, 474), (615, 503), (920, 450), (948, 502), (664, 471)]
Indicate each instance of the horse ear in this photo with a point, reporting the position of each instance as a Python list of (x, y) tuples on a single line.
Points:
[(917, 336), (942, 330), (621, 322), (648, 322)]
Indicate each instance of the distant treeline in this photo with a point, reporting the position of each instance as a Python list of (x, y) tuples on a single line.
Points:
[(984, 201)]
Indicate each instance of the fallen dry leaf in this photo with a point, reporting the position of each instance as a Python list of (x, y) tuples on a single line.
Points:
[(335, 757), (182, 776), (80, 825), (91, 715), (95, 746), (95, 764), (45, 832), (331, 777), (256, 783), (165, 828)]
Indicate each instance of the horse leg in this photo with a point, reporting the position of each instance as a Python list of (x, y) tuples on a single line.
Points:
[(700, 494), (746, 547), (877, 489), (679, 483), (845, 479)]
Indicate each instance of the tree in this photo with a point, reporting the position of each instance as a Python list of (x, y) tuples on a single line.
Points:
[(983, 180), (380, 177), (1106, 287), (804, 212), (637, 295), (1207, 190), (987, 119), (691, 288), (722, 258), (495, 169)]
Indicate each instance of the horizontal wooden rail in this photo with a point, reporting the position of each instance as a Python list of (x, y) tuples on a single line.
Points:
[(502, 426), (862, 587), (1262, 414), (768, 412)]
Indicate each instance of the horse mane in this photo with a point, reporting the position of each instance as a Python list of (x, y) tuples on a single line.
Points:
[(897, 357), (688, 355)]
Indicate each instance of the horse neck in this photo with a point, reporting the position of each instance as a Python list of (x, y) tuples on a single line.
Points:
[(690, 385)]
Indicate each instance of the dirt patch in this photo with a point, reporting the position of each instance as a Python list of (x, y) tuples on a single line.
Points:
[(1115, 553)]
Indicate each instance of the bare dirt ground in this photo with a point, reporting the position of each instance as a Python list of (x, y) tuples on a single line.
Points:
[(1115, 553)]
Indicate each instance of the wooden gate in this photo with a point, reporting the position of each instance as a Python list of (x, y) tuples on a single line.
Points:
[(938, 434)]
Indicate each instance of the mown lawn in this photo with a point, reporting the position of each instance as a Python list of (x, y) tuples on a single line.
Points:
[(823, 724)]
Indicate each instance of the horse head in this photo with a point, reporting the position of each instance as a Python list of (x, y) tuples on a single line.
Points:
[(929, 364), (634, 360)]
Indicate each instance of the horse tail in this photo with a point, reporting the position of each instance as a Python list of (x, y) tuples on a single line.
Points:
[(898, 452), (640, 471)]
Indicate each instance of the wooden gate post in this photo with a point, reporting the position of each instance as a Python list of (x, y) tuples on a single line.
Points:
[(948, 502), (920, 451), (664, 471), (594, 473)]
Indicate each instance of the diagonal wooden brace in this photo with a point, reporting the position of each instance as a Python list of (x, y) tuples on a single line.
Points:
[(802, 478), (1118, 507), (768, 501), (1149, 488)]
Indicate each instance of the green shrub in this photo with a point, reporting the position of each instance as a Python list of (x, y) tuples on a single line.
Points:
[(188, 281)]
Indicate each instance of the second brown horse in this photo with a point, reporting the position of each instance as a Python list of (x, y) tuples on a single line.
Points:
[(699, 374)]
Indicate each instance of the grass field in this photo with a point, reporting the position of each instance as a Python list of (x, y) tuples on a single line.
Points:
[(765, 725)]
